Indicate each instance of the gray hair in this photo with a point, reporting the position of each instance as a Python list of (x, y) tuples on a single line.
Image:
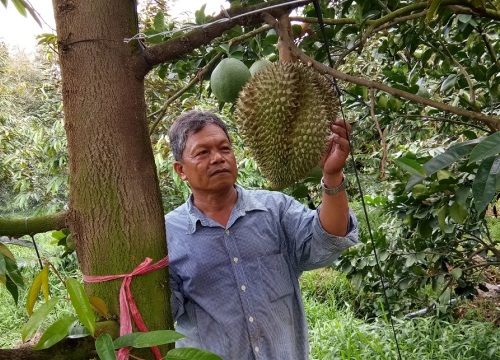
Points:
[(191, 123)]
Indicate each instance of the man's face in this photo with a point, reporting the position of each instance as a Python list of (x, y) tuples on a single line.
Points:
[(208, 161)]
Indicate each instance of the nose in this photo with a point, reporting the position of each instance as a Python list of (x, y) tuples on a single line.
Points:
[(217, 157)]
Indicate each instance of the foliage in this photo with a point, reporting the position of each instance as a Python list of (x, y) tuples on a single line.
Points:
[(33, 154), (434, 238), (336, 332)]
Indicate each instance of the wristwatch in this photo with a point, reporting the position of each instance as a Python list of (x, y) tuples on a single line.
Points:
[(335, 190)]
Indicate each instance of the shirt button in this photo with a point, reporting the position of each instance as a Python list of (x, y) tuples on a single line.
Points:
[(256, 349), (226, 232), (243, 287), (235, 259), (250, 319)]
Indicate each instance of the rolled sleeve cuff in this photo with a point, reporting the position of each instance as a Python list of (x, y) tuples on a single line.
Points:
[(332, 244)]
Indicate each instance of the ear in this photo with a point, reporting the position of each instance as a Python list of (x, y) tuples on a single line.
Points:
[(179, 169)]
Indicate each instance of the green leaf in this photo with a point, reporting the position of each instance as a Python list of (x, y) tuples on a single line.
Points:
[(456, 273), (450, 82), (13, 272), (148, 339), (156, 338), (37, 318), (442, 218), (433, 8), (410, 165), (300, 191), (126, 340), (35, 287), (3, 269), (159, 22), (104, 347), (55, 333), (12, 288), (20, 7), (484, 186), (410, 260), (489, 146), (458, 212), (80, 302), (452, 154), (191, 354)]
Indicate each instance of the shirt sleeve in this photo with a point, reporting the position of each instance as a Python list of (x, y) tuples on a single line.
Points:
[(176, 297), (309, 245)]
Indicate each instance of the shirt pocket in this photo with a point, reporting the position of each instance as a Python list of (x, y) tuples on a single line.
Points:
[(275, 276)]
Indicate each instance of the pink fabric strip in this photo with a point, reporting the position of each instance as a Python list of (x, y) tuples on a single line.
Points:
[(127, 303)]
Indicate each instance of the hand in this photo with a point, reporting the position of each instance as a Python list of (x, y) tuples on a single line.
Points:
[(338, 149)]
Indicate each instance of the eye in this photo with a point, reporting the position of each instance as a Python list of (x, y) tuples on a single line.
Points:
[(201, 153)]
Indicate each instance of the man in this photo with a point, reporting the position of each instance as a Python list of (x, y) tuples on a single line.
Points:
[(236, 255)]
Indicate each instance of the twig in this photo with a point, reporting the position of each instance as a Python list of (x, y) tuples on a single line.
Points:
[(492, 122), (381, 134), (442, 119), (464, 72), (384, 6), (489, 47), (57, 273)]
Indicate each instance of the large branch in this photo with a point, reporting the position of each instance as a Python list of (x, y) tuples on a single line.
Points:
[(75, 349), (193, 39), (33, 225), (492, 122)]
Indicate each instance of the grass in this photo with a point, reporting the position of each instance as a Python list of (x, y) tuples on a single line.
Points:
[(12, 316), (335, 332)]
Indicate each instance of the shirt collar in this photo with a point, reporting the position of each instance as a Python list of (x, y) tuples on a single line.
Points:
[(245, 203)]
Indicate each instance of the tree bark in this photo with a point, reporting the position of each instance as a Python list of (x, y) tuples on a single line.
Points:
[(115, 209)]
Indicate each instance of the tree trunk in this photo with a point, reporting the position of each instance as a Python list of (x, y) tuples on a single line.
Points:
[(115, 210)]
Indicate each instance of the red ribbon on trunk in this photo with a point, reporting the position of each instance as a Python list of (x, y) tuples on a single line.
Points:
[(127, 303)]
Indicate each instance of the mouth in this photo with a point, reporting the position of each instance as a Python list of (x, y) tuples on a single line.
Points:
[(219, 171)]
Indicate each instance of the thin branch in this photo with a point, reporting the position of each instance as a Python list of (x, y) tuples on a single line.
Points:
[(489, 47), (326, 21), (442, 119), (381, 134), (492, 122), (33, 225), (482, 265), (197, 78), (193, 39), (464, 72), (383, 6)]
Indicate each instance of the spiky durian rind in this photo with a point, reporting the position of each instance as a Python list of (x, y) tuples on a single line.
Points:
[(284, 114)]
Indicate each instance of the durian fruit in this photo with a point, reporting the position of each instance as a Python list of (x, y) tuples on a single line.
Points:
[(284, 114), (228, 79)]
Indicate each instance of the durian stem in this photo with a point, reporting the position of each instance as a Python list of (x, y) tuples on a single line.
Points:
[(285, 54), (492, 122)]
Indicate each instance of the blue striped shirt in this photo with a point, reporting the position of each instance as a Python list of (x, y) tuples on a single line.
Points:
[(235, 290)]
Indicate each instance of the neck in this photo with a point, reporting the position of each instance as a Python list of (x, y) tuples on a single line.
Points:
[(217, 206)]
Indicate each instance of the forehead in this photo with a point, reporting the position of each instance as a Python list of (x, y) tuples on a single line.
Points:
[(209, 134)]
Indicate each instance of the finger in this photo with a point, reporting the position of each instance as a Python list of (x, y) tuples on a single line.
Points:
[(340, 131), (343, 124), (343, 145), (328, 150)]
